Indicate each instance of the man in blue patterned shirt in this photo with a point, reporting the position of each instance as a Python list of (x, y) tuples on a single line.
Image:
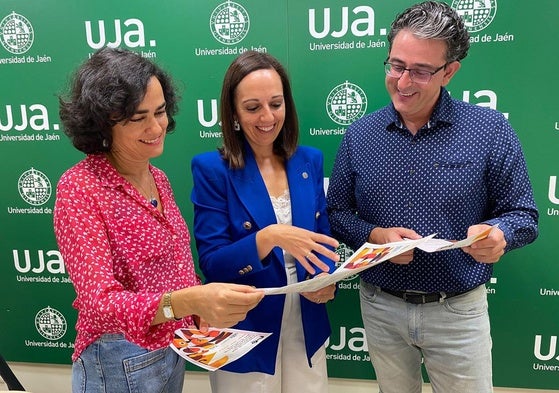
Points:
[(428, 164)]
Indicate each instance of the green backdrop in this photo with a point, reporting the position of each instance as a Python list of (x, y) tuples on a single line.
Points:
[(334, 51)]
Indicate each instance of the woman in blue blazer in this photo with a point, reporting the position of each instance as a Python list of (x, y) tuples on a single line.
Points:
[(260, 219)]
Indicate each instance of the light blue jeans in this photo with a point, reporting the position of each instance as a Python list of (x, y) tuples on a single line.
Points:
[(452, 338), (114, 365)]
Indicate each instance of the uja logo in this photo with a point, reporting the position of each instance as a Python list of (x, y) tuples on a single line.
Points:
[(346, 103), (360, 27), (25, 263), (16, 33), (50, 323), (229, 23), (352, 338), (35, 116), (477, 14), (202, 118), (490, 95), (551, 351), (34, 187), (134, 36), (552, 193)]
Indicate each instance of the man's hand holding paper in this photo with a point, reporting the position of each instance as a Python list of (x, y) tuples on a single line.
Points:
[(490, 244)]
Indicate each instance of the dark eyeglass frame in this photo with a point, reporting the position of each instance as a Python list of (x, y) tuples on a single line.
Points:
[(388, 68)]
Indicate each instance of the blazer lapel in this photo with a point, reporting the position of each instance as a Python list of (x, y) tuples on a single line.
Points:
[(252, 192)]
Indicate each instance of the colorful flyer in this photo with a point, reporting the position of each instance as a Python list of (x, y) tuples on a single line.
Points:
[(214, 348)]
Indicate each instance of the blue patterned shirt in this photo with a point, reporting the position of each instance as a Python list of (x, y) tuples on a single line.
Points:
[(464, 167)]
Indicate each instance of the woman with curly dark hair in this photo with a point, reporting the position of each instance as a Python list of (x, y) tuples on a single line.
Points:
[(123, 239)]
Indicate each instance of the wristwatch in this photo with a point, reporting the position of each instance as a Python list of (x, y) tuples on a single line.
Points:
[(168, 308)]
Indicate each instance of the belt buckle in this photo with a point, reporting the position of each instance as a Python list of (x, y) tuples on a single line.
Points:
[(413, 298), (421, 298)]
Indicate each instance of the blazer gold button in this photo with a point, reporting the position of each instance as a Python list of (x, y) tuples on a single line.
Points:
[(247, 225), (249, 268), (241, 272), (305, 175)]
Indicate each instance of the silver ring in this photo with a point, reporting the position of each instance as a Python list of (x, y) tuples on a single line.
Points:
[(308, 254)]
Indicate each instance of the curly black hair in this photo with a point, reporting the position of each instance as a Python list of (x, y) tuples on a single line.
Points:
[(106, 89)]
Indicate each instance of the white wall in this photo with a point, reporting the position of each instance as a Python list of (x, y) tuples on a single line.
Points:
[(41, 378)]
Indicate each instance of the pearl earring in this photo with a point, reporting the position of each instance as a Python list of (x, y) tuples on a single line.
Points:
[(105, 143)]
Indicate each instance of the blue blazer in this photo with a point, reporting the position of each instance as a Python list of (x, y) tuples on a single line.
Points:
[(230, 206)]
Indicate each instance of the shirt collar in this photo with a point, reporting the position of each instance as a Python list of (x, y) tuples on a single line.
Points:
[(108, 175), (443, 113)]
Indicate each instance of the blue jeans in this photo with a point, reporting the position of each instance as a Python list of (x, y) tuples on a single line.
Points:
[(114, 365), (452, 338)]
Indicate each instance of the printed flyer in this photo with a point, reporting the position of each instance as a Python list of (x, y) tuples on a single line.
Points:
[(369, 255), (214, 348)]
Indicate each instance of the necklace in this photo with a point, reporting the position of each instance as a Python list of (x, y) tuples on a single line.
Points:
[(152, 199), (149, 195)]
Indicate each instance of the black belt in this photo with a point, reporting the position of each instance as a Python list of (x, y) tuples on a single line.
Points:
[(422, 298)]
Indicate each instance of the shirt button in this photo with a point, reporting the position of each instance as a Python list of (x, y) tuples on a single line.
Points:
[(305, 175)]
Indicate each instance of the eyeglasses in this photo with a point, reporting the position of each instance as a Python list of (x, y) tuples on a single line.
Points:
[(418, 76)]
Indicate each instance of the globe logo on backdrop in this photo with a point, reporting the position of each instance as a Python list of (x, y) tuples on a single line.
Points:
[(34, 187), (229, 23), (346, 103), (477, 14), (50, 323), (344, 252), (16, 33)]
